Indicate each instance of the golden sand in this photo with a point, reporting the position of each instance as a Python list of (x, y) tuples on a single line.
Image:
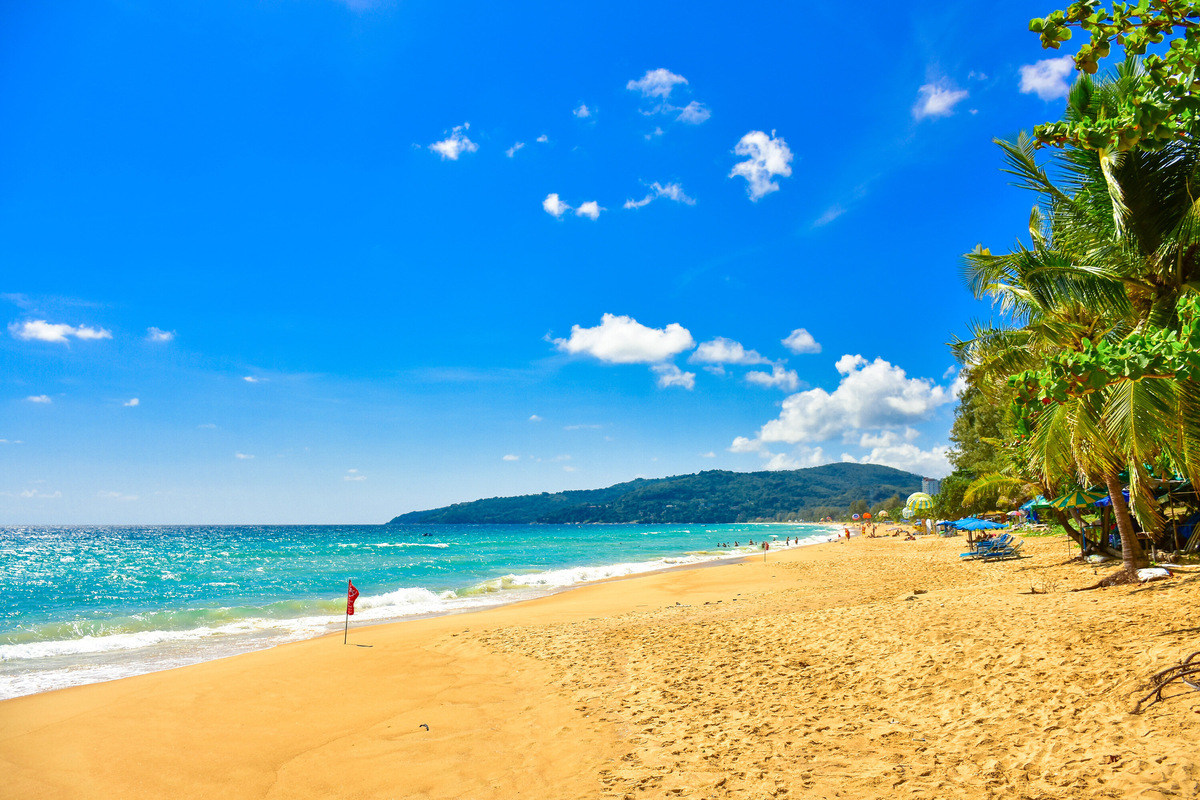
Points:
[(874, 668)]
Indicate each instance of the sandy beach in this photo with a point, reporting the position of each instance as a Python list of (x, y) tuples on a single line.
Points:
[(874, 668)]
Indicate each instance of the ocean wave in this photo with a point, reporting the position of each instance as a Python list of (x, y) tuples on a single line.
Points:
[(282, 621), (89, 644), (438, 545)]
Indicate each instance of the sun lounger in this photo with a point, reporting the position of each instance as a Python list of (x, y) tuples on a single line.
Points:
[(999, 554), (986, 546)]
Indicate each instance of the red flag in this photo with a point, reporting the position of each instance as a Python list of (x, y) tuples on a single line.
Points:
[(351, 596)]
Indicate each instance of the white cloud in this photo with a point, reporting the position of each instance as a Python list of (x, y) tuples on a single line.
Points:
[(11, 441), (958, 386), (671, 191), (693, 113), (937, 100), (534, 418), (512, 151), (658, 131), (725, 351), (801, 341), (353, 475), (582, 111), (709, 454), (743, 445), (243, 456), (39, 398), (555, 207), (542, 139), (888, 438), (782, 461), (569, 468), (35, 494), (582, 427), (800, 456), (84, 332), (656, 83), (671, 375), (623, 340), (590, 209), (252, 379), (871, 395), (777, 378), (124, 498), (831, 213), (889, 450), (1048, 77), (511, 457), (132, 402), (158, 335), (767, 156), (43, 331), (455, 144)]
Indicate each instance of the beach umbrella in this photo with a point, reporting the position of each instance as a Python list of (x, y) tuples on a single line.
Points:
[(908, 513), (918, 501), (867, 515), (1076, 499), (856, 516), (883, 515)]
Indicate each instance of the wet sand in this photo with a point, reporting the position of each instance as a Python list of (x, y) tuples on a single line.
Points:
[(874, 668)]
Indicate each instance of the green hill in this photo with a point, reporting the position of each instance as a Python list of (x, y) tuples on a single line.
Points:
[(715, 496)]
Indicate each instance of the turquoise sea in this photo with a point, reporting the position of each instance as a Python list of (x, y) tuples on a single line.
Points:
[(92, 603)]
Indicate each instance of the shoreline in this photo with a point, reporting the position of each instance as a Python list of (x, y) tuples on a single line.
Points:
[(169, 648), (818, 672)]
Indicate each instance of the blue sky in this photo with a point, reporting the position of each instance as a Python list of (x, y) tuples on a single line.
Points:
[(323, 261)]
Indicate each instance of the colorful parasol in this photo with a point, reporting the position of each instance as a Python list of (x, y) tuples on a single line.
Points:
[(1076, 499), (919, 501)]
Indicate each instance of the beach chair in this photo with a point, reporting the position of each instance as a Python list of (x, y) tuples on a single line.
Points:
[(999, 554), (987, 546)]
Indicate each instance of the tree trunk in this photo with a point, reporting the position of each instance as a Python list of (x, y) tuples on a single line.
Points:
[(1132, 557), (1065, 521)]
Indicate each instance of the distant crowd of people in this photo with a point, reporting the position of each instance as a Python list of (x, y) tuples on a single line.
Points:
[(867, 531), (764, 544)]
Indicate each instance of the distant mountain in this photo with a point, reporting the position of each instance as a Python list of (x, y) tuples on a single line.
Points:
[(715, 496)]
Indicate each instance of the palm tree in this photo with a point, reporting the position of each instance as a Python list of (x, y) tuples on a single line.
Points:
[(1115, 243)]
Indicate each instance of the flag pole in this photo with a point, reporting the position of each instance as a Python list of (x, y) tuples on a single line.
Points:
[(346, 633)]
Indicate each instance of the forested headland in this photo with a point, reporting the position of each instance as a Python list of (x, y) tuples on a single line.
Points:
[(714, 496)]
